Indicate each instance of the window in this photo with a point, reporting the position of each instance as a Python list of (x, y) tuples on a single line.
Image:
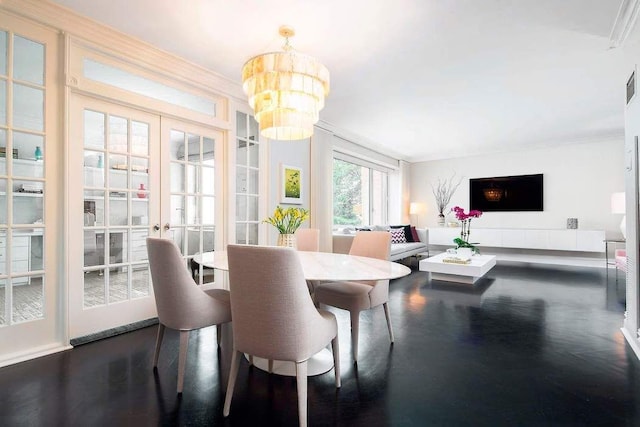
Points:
[(247, 179), (359, 194)]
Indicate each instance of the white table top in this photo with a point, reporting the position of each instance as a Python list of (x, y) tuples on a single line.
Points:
[(325, 266), (478, 266)]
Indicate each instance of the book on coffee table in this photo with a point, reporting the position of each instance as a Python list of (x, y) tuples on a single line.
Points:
[(456, 260)]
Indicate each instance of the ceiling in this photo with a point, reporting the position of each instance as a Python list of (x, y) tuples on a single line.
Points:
[(421, 79)]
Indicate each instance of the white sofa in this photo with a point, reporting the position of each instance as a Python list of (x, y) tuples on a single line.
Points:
[(342, 244)]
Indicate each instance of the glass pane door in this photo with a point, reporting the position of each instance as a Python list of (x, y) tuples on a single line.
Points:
[(119, 194), (189, 208), (31, 315), (247, 179)]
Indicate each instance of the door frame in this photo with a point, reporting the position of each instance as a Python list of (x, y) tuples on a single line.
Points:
[(84, 321)]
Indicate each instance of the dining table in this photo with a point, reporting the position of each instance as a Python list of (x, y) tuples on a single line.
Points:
[(319, 266)]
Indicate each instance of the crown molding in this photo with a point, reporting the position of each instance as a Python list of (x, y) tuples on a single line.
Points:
[(359, 140), (624, 23), (607, 136), (136, 51)]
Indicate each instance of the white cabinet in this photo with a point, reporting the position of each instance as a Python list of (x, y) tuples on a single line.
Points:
[(555, 240), (21, 250), (513, 238), (443, 235), (139, 245)]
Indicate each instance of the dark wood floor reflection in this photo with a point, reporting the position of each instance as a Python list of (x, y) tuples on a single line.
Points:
[(526, 346)]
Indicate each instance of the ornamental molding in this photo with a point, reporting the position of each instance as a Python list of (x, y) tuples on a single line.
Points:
[(129, 48), (624, 23)]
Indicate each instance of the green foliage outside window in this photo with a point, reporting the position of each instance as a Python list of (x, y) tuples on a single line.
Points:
[(347, 193)]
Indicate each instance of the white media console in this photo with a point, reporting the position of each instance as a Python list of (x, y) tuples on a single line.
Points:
[(552, 246)]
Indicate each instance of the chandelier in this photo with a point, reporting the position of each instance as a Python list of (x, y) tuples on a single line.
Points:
[(286, 91)]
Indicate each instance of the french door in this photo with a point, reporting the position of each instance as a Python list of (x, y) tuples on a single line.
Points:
[(139, 179), (193, 155), (31, 318)]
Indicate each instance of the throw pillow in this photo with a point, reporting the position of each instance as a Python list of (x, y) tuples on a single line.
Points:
[(397, 235), (407, 232), (414, 234)]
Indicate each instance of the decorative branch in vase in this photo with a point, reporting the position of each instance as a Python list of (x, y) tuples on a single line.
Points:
[(465, 222), (443, 193)]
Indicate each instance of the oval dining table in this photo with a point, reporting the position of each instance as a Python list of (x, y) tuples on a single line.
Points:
[(321, 266)]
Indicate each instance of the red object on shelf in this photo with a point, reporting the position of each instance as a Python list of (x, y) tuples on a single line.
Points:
[(141, 193)]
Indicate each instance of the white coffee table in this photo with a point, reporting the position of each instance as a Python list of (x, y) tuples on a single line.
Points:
[(459, 273)]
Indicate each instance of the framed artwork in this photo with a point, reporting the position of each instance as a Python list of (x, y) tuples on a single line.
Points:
[(291, 185)]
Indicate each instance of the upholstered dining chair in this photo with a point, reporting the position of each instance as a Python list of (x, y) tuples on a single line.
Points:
[(358, 296), (274, 317), (181, 304), (308, 240)]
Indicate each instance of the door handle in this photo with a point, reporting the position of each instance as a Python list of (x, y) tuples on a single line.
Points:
[(156, 227), (167, 227)]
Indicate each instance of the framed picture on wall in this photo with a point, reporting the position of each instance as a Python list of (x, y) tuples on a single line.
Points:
[(291, 177)]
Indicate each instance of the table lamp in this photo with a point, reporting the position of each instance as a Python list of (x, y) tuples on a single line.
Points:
[(618, 206), (414, 210)]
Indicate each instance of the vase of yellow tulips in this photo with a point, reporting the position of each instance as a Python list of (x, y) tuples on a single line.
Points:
[(287, 221)]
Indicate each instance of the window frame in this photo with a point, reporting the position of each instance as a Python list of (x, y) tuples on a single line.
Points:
[(372, 167)]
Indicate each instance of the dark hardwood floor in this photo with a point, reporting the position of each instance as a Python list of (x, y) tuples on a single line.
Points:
[(528, 346)]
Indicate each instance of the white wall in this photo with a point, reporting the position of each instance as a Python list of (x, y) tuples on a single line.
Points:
[(578, 182), (290, 153)]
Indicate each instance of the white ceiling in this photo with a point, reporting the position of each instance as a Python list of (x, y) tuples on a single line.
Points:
[(424, 79)]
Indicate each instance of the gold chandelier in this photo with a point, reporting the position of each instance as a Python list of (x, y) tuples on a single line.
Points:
[(286, 91)]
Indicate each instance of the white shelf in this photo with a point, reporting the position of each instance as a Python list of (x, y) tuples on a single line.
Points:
[(18, 194)]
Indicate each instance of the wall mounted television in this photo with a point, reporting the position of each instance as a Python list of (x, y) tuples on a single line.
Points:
[(507, 193)]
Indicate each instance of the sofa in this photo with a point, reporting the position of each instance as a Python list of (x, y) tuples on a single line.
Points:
[(342, 243)]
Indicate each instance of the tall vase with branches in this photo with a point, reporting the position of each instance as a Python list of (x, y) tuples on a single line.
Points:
[(443, 192)]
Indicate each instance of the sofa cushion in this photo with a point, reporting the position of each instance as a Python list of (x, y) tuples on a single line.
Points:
[(414, 234), (399, 248), (397, 236), (407, 231)]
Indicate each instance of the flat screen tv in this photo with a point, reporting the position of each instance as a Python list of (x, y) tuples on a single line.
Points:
[(507, 193)]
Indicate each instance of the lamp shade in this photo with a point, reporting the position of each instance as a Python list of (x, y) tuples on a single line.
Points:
[(414, 208), (618, 205)]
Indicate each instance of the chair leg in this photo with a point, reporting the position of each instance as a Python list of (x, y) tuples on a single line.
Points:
[(159, 338), (251, 360), (355, 326), (233, 374), (386, 314), (301, 381), (270, 366), (335, 346), (219, 334), (182, 358)]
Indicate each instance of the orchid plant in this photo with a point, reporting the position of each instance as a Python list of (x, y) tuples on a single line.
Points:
[(465, 221)]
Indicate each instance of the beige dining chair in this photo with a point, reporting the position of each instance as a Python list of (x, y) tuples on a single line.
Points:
[(181, 304), (308, 240), (274, 317), (358, 296)]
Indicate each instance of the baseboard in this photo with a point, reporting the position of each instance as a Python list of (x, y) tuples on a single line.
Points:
[(632, 341), (14, 358), (113, 332)]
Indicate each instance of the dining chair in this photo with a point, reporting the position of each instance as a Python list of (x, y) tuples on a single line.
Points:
[(308, 240), (181, 304), (358, 296), (274, 317)]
